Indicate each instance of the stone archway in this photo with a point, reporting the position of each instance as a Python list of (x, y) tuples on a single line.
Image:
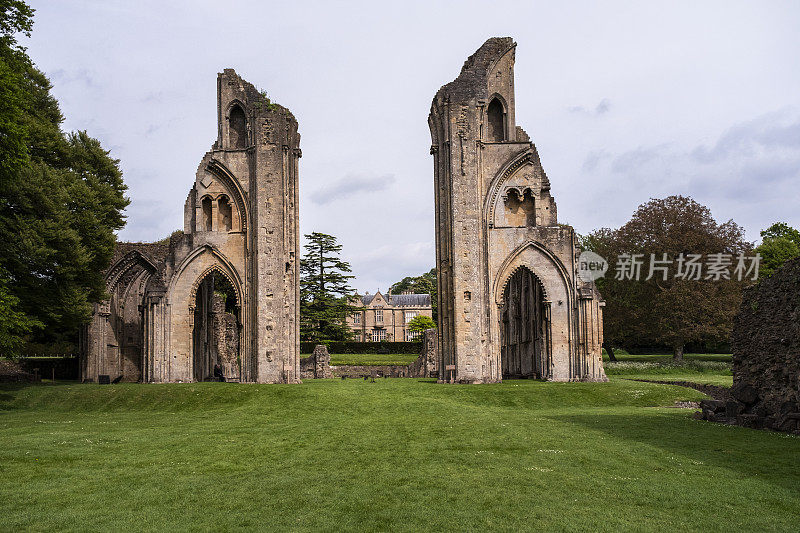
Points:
[(554, 308), (524, 327), (216, 329)]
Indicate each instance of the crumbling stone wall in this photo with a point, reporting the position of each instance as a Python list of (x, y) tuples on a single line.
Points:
[(225, 334), (240, 222), (316, 365), (495, 215), (427, 364), (766, 357)]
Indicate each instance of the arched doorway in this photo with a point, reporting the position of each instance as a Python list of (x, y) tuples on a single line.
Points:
[(216, 329), (524, 328)]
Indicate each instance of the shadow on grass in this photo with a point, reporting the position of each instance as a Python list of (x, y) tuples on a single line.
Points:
[(750, 453)]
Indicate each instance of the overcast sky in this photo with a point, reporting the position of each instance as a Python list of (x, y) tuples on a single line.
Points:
[(624, 101)]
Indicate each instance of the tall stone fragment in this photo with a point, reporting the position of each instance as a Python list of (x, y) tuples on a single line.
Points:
[(240, 236), (510, 301)]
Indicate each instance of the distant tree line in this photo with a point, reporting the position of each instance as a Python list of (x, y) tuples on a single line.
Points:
[(674, 311)]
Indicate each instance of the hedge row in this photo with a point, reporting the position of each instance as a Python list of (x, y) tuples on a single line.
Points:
[(61, 367), (365, 347)]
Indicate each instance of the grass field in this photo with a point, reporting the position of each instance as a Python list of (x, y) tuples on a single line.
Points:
[(711, 369), (372, 359), (397, 454)]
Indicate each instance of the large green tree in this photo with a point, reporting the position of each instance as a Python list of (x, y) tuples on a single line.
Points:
[(420, 323), (779, 243), (61, 200), (422, 284), (325, 292), (669, 308)]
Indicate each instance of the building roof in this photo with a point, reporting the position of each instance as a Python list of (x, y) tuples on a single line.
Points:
[(400, 300), (416, 300)]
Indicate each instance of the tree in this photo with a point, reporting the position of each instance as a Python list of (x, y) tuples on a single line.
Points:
[(780, 242), (420, 323), (423, 284), (325, 295), (61, 199), (676, 310), (14, 324)]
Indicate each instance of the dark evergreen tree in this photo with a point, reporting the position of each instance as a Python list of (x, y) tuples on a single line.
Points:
[(325, 293)]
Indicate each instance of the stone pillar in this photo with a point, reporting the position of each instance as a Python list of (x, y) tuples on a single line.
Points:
[(322, 362), (430, 347)]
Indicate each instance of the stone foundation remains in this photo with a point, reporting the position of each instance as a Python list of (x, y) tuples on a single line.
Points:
[(317, 365)]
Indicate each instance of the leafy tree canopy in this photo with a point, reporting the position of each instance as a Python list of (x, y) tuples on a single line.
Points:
[(780, 242), (420, 323), (674, 311), (61, 200)]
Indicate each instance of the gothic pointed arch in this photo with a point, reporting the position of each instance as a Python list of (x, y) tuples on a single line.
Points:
[(237, 126), (542, 262), (218, 261), (496, 129), (237, 194)]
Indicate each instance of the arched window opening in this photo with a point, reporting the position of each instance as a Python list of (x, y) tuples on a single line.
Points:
[(520, 210), (225, 214), (237, 128), (207, 216), (523, 328), (216, 330), (496, 121)]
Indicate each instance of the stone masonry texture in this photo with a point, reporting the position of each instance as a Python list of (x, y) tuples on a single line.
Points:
[(240, 229)]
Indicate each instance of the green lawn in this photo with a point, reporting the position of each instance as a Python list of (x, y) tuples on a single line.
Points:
[(711, 369), (396, 454), (372, 359)]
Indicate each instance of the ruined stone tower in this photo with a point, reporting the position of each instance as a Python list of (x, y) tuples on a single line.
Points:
[(510, 301), (225, 290)]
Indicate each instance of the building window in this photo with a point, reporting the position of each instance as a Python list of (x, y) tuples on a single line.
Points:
[(225, 214), (378, 335), (207, 208), (412, 335), (409, 315), (357, 318), (496, 121), (237, 128), (379, 315)]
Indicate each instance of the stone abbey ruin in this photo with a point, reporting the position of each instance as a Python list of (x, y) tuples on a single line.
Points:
[(223, 295), (225, 291), (510, 301)]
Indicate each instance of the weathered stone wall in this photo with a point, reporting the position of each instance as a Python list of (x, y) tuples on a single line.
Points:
[(766, 357), (378, 371), (317, 365), (494, 215), (225, 332), (427, 364), (240, 222)]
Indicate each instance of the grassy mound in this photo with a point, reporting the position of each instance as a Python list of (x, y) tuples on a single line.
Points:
[(397, 454)]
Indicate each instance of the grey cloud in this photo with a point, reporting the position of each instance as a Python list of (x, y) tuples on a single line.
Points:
[(351, 185), (593, 159), (601, 108), (83, 76), (635, 160), (772, 132)]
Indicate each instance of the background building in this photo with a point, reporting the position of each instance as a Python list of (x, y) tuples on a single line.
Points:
[(385, 318)]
